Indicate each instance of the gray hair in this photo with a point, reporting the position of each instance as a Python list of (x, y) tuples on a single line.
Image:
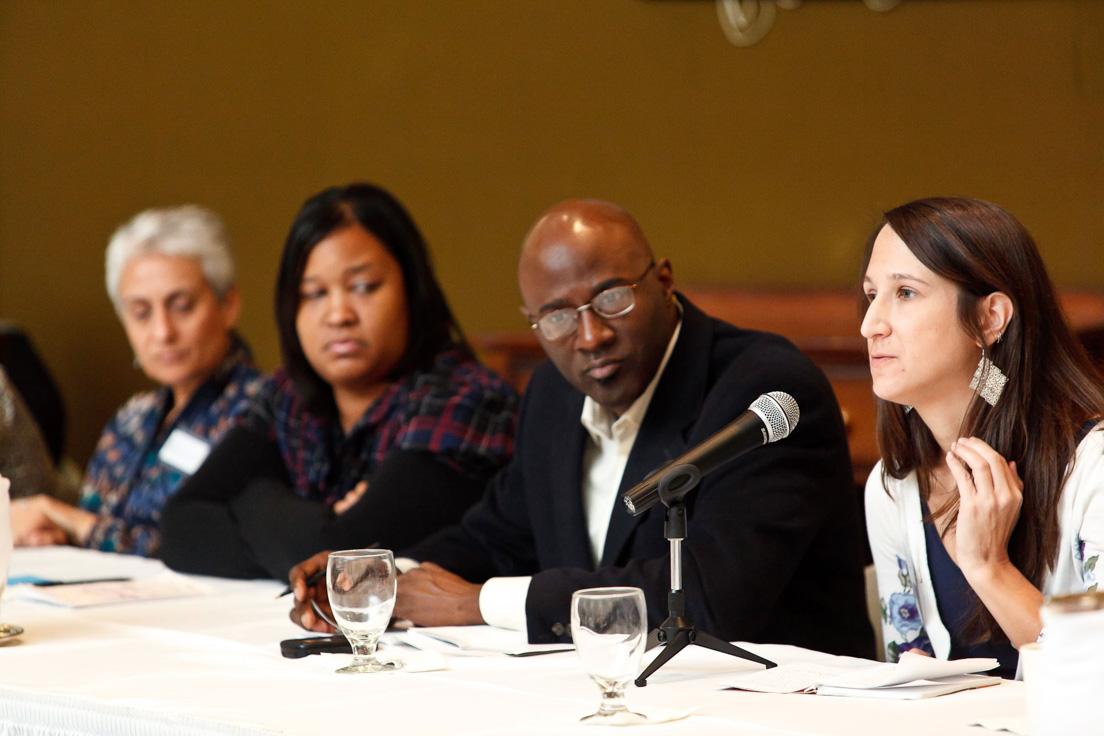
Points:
[(190, 231)]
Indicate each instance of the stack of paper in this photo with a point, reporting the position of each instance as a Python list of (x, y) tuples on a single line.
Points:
[(914, 676), (477, 641), (78, 595)]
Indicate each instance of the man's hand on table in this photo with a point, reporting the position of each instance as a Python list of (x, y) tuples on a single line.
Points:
[(430, 595)]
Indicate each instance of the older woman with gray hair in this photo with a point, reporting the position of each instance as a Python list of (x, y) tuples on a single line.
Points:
[(170, 276)]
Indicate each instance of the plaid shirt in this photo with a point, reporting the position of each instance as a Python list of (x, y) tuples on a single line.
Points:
[(458, 410), (127, 484)]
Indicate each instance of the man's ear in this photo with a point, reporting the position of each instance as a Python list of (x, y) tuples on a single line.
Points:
[(666, 275)]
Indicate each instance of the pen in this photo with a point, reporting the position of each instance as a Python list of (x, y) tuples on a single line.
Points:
[(313, 578), (317, 575), (50, 583)]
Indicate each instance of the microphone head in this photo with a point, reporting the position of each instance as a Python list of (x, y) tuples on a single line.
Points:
[(779, 413)]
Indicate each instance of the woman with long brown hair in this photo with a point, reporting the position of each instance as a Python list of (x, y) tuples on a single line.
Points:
[(990, 491)]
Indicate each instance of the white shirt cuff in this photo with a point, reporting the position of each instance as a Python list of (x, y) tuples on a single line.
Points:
[(502, 602), (405, 564)]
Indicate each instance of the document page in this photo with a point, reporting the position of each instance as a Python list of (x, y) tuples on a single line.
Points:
[(794, 677), (912, 669), (79, 595), (477, 640)]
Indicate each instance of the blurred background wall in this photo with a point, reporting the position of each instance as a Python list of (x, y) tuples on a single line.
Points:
[(765, 165)]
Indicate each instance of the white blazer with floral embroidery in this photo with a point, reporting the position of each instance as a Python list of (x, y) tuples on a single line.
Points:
[(894, 524)]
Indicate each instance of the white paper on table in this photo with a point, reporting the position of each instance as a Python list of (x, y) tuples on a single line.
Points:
[(800, 677), (916, 689), (476, 641), (793, 677), (908, 668), (79, 595)]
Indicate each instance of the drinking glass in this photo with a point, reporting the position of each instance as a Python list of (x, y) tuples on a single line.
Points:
[(361, 586), (6, 630), (609, 626)]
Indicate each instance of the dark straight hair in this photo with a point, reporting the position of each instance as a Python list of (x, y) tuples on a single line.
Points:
[(1053, 388), (432, 326)]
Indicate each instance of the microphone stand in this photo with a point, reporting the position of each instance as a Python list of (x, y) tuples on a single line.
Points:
[(677, 632)]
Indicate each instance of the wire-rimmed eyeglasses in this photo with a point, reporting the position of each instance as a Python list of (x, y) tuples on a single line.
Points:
[(614, 302)]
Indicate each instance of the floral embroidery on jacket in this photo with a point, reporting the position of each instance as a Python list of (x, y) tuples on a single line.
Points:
[(903, 614), (1088, 567)]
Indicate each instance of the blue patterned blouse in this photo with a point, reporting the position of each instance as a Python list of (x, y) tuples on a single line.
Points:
[(128, 480)]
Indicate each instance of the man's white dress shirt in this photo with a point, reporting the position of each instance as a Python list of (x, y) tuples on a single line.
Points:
[(502, 600)]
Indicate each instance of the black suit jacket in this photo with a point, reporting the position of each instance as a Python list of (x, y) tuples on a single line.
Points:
[(774, 549)]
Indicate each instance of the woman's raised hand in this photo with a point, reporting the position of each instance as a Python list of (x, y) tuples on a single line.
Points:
[(990, 494)]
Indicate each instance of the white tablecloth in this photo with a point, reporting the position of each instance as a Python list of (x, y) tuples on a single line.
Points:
[(211, 665)]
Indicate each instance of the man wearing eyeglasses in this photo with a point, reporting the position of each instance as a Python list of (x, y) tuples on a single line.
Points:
[(637, 376)]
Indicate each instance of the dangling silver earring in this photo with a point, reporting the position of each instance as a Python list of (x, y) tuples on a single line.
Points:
[(988, 379), (906, 407)]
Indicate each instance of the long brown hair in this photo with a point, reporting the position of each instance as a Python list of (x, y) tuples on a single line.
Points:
[(1052, 390)]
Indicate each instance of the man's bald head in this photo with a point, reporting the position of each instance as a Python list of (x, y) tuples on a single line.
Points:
[(576, 250), (576, 223)]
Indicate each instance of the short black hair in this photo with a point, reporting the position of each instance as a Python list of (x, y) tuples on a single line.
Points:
[(432, 326)]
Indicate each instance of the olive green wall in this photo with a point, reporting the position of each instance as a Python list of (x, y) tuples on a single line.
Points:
[(762, 165)]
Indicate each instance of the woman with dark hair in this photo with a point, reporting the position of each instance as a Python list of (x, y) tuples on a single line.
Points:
[(380, 428), (990, 491)]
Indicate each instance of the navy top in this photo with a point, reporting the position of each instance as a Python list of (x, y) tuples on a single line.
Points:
[(955, 600)]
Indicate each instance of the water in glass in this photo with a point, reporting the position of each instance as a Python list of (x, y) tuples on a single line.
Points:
[(609, 627), (361, 586)]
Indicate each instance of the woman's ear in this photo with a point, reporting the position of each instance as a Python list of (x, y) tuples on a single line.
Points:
[(996, 313), (231, 307)]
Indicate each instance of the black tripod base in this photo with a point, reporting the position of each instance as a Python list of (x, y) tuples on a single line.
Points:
[(677, 633), (683, 637)]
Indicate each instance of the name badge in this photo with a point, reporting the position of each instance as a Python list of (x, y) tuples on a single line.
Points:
[(184, 451)]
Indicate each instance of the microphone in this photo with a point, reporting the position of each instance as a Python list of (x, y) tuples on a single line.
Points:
[(770, 418)]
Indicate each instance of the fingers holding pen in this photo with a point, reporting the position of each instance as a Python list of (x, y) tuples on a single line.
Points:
[(308, 585)]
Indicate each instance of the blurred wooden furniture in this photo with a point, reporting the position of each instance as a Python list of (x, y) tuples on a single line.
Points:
[(823, 323)]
